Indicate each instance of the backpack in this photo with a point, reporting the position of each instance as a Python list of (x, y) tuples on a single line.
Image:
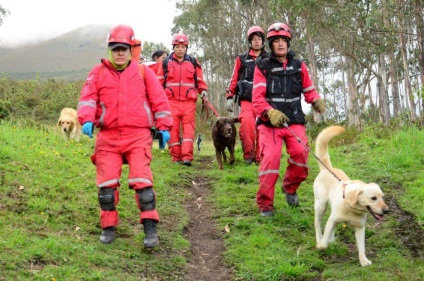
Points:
[(192, 60)]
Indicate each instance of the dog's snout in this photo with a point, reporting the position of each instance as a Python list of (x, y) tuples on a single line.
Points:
[(227, 129), (386, 210)]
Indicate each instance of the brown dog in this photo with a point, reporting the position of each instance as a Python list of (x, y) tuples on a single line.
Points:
[(224, 136), (68, 122)]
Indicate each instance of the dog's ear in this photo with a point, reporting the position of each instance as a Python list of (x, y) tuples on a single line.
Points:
[(351, 193), (58, 122)]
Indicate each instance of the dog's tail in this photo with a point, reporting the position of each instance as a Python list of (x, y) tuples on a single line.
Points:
[(321, 146)]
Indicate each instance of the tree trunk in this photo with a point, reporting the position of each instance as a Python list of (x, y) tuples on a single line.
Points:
[(382, 90), (408, 88), (352, 101), (419, 11)]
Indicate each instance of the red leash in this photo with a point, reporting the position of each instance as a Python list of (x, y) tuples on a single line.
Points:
[(205, 105)]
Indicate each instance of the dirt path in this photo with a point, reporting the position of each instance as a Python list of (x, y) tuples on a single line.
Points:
[(409, 231), (207, 245)]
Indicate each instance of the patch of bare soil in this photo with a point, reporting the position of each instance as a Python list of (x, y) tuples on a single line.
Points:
[(409, 231), (207, 245)]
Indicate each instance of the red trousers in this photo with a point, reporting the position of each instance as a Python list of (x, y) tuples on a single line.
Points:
[(184, 117), (110, 151), (271, 150), (249, 136)]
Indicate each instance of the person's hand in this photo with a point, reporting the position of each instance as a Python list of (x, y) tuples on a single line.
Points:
[(165, 137), (230, 105), (87, 129), (277, 117), (319, 105), (204, 94)]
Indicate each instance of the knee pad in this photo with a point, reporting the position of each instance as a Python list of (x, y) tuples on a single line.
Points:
[(146, 199), (107, 199)]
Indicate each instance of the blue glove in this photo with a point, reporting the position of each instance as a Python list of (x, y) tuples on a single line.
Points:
[(88, 128), (165, 138)]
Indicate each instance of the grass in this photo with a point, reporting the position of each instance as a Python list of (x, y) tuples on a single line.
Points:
[(49, 214)]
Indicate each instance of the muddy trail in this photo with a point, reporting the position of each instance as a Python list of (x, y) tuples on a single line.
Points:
[(207, 244), (408, 231)]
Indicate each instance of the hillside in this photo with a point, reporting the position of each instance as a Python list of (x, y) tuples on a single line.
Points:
[(69, 56)]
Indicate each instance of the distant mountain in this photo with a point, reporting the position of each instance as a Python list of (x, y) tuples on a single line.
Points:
[(67, 57)]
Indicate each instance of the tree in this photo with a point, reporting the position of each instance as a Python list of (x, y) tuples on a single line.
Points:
[(150, 47), (374, 47)]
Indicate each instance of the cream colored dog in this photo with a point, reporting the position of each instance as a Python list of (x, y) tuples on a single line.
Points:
[(68, 122), (350, 200)]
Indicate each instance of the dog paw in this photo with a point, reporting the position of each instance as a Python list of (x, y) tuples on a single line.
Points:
[(365, 262)]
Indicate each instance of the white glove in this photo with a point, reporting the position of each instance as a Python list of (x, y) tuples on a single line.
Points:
[(204, 94), (230, 105)]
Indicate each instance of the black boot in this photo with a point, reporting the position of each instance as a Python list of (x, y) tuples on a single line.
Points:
[(108, 235), (151, 239), (292, 200)]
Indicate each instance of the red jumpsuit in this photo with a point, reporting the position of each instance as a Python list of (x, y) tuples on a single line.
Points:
[(124, 105), (181, 90), (153, 66), (249, 136), (273, 138)]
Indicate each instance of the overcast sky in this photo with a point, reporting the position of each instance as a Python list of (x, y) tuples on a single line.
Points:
[(45, 19)]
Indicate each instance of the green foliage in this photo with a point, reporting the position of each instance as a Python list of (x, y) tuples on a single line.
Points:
[(150, 47), (39, 100)]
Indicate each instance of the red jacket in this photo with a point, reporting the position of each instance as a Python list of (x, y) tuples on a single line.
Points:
[(180, 83), (123, 101), (153, 66)]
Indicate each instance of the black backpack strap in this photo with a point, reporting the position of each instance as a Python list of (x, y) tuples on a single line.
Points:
[(243, 58), (194, 62), (165, 69), (264, 65)]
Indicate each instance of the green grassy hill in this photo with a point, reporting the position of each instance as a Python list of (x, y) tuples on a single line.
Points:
[(210, 226)]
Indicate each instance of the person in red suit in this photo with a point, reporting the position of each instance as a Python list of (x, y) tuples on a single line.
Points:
[(182, 79), (240, 88), (279, 83), (124, 100)]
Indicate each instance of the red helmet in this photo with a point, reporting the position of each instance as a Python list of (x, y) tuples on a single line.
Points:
[(121, 34), (278, 29), (255, 30), (180, 39)]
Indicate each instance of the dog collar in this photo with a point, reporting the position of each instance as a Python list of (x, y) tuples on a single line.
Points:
[(344, 187)]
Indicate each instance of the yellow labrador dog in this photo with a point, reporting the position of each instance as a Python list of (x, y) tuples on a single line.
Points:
[(68, 122), (350, 200)]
